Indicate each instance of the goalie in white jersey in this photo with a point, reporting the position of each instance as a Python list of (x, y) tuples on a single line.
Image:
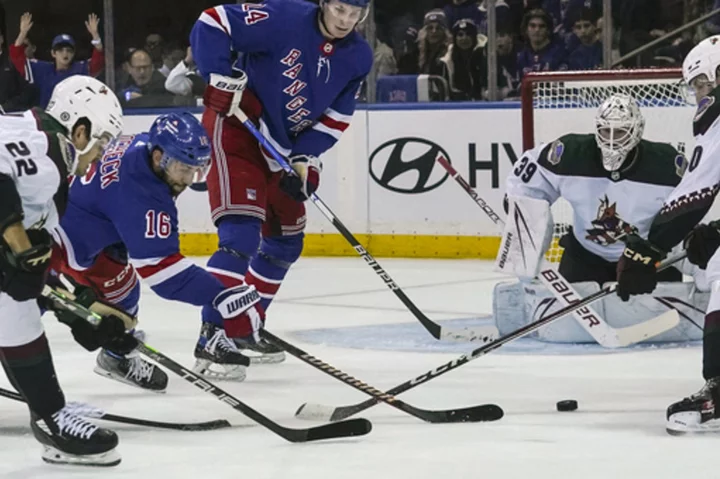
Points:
[(38, 149), (614, 180), (679, 217)]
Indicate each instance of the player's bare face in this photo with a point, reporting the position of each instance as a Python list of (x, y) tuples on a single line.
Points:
[(340, 19), (63, 57), (92, 155), (179, 176), (701, 86)]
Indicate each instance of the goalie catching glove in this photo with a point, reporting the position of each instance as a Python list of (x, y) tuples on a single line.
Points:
[(637, 268), (243, 316), (109, 333)]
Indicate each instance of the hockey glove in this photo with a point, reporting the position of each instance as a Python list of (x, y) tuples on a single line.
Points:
[(701, 243), (109, 333), (636, 270), (24, 274), (243, 316), (306, 180), (223, 94)]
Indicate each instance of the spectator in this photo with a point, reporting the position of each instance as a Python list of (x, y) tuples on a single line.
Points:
[(503, 15), (542, 52), (433, 41), (394, 17), (171, 57), (639, 21), (146, 86), (564, 12), (588, 55), (456, 10), (384, 62), (154, 46), (15, 93), (30, 49), (407, 60), (48, 74), (464, 61), (184, 79), (507, 76)]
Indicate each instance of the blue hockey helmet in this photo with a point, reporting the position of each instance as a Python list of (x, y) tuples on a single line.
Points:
[(181, 137), (357, 3)]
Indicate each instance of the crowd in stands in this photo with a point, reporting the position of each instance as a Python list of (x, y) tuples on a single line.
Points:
[(445, 39)]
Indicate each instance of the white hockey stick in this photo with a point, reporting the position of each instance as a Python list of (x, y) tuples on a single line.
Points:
[(587, 317)]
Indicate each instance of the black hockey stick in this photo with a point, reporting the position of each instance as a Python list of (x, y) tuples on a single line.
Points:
[(319, 411), (100, 414), (484, 335), (353, 427), (485, 412)]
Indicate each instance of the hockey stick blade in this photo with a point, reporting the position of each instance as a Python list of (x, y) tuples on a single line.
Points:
[(178, 426), (342, 412), (488, 412), (354, 427), (437, 331), (482, 413)]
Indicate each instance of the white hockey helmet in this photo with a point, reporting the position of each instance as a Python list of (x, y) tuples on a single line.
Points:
[(81, 96), (619, 126), (703, 59)]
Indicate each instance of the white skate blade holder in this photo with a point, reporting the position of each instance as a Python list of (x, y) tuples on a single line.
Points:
[(52, 455), (688, 422)]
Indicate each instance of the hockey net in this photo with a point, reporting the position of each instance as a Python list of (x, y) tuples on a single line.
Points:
[(558, 103)]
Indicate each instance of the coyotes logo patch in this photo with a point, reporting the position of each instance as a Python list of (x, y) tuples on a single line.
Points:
[(608, 226)]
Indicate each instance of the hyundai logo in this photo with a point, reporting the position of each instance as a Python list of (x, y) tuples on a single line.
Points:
[(408, 165)]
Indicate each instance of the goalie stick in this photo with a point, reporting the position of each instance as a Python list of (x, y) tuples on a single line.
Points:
[(324, 412), (483, 334), (353, 427), (565, 294), (485, 412), (98, 413)]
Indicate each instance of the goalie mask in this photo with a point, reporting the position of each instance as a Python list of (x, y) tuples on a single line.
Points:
[(619, 128)]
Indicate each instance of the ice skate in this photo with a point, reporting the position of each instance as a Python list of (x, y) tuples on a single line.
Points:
[(217, 357), (260, 352), (131, 369), (69, 439), (697, 413)]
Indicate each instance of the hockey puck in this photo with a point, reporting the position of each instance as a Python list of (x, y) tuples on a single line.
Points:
[(567, 405)]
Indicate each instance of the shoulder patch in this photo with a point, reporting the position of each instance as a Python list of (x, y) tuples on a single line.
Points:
[(681, 164), (555, 152), (703, 106)]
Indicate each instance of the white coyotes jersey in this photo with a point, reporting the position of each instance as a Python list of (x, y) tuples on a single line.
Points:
[(605, 205), (24, 156), (690, 201)]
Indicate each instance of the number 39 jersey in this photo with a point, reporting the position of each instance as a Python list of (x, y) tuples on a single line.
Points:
[(32, 153), (122, 200), (605, 205)]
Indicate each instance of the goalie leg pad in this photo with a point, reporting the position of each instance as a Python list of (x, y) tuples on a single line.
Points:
[(526, 237)]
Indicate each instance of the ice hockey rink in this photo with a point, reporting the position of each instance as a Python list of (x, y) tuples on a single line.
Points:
[(338, 310)]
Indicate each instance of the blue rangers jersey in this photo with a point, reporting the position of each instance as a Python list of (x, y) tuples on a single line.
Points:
[(121, 200), (306, 84)]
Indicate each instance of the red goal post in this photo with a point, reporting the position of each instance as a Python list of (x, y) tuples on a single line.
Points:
[(557, 103)]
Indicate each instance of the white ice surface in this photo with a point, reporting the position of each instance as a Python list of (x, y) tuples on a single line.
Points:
[(618, 431)]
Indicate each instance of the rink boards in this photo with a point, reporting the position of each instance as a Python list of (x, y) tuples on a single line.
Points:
[(383, 182)]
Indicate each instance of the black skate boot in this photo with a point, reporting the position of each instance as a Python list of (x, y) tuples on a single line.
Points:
[(69, 439), (217, 357), (260, 352), (697, 413), (131, 369)]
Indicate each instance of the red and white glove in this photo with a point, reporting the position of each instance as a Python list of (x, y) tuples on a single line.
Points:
[(307, 179), (243, 316), (223, 94)]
